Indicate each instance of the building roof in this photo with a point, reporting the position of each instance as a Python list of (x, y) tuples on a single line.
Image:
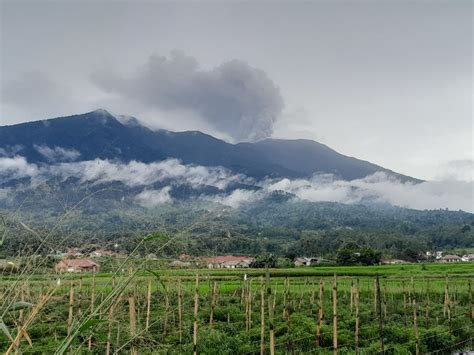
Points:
[(228, 259), (80, 263), (450, 257)]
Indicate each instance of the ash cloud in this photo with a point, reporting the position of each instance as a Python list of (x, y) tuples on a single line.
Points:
[(233, 98)]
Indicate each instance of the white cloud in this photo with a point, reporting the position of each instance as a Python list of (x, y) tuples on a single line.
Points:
[(236, 198), (57, 154), (132, 174), (10, 150), (16, 168), (381, 188), (461, 170), (378, 187), (153, 198), (141, 174)]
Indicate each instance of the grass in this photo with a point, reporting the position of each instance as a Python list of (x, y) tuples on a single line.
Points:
[(293, 332)]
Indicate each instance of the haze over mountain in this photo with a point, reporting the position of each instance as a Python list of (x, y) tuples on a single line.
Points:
[(101, 135)]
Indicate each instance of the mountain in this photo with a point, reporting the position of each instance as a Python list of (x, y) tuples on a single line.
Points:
[(99, 134)]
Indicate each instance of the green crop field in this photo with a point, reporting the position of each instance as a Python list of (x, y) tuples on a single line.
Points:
[(412, 308)]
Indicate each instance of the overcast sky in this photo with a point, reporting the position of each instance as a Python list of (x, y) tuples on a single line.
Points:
[(385, 81)]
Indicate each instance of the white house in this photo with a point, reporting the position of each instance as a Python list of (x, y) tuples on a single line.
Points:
[(229, 262), (304, 261)]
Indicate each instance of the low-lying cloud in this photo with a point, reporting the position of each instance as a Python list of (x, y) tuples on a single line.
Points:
[(153, 198), (380, 187), (132, 174), (57, 154), (171, 173), (233, 98)]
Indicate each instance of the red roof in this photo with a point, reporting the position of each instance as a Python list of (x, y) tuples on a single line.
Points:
[(227, 258)]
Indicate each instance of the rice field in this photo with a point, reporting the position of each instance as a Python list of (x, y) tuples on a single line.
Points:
[(397, 309)]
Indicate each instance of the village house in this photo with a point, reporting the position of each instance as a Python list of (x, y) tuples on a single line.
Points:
[(392, 261), (229, 262), (303, 261), (468, 258), (101, 252), (450, 259), (180, 264), (76, 265), (74, 253)]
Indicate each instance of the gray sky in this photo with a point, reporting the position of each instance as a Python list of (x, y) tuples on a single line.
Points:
[(385, 81)]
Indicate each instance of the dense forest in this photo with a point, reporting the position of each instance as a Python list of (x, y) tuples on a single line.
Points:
[(279, 225)]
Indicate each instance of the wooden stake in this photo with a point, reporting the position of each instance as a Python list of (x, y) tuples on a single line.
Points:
[(270, 313), (71, 305), (249, 305), (180, 310), (165, 316), (196, 308), (110, 326), (428, 301), (334, 315), (404, 303), (379, 306), (320, 313), (471, 309), (148, 305), (79, 297), (262, 318), (92, 307), (213, 303), (357, 319), (415, 327), (133, 320), (352, 294)]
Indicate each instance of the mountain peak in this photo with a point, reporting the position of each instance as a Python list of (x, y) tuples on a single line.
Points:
[(102, 111)]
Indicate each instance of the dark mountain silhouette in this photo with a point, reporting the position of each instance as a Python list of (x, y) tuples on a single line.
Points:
[(99, 134)]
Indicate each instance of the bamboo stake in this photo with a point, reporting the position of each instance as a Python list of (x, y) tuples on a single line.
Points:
[(213, 303), (148, 305), (196, 308), (428, 301), (357, 318), (415, 327), (352, 295), (377, 283), (270, 313), (110, 325), (180, 310), (79, 297), (262, 318), (165, 317), (246, 303), (249, 305), (334, 314), (133, 321), (92, 307), (320, 313), (375, 297), (471, 309), (404, 303), (71, 305)]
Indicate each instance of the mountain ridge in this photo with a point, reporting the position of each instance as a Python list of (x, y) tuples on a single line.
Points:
[(101, 135)]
